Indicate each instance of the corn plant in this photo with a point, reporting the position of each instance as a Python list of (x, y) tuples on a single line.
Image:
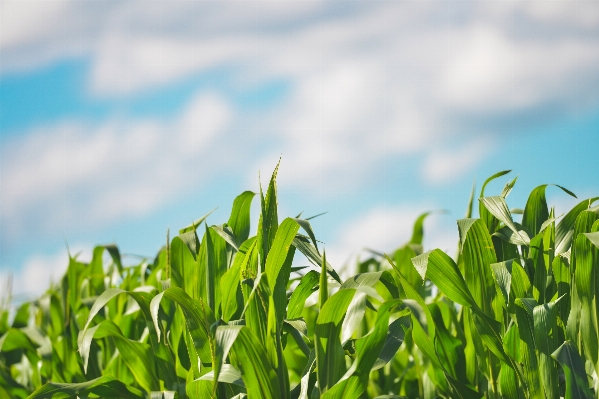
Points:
[(222, 314)]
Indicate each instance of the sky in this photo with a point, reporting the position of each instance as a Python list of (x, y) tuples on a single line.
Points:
[(122, 119)]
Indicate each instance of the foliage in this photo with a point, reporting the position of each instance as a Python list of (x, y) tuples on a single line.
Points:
[(218, 313)]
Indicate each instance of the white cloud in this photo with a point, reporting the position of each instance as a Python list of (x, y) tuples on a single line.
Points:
[(444, 165), (39, 271), (490, 71), (74, 174), (22, 22), (369, 81), (386, 228), (564, 13)]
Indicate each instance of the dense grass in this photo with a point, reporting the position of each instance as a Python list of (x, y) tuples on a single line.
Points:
[(222, 313)]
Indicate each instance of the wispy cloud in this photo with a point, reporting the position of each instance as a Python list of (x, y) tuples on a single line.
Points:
[(443, 165), (75, 173), (386, 228), (39, 271), (369, 81)]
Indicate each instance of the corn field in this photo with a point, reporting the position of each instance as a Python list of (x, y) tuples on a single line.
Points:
[(221, 313)]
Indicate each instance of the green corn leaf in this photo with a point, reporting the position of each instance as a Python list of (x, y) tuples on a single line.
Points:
[(508, 380), (14, 339), (190, 238), (367, 350), (274, 347), (224, 338), (198, 319), (524, 314), (21, 318), (470, 206), (394, 339), (279, 262), (96, 271), (404, 266), (73, 278), (550, 221), (576, 379), (227, 234), (449, 348), (256, 298), (183, 262), (137, 355), (323, 290), (388, 280), (593, 237), (354, 316), (306, 287), (329, 352), (187, 355), (248, 355), (278, 269), (584, 224), (478, 256), (536, 211), (419, 309), (106, 386), (298, 329), (199, 389), (490, 179), (115, 254), (561, 274), (369, 279), (502, 272), (464, 226), (164, 358), (444, 273), (305, 224), (498, 208), (461, 390), (564, 230), (303, 244), (489, 220), (425, 343), (240, 216), (509, 236), (547, 341), (365, 282), (269, 219), (302, 389), (418, 231), (209, 272), (100, 302), (507, 189), (520, 284), (85, 341), (230, 283), (228, 374), (537, 260), (424, 328), (196, 224), (299, 325), (585, 278), (489, 331)]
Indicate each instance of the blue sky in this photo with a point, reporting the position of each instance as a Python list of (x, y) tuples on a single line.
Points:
[(119, 120)]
